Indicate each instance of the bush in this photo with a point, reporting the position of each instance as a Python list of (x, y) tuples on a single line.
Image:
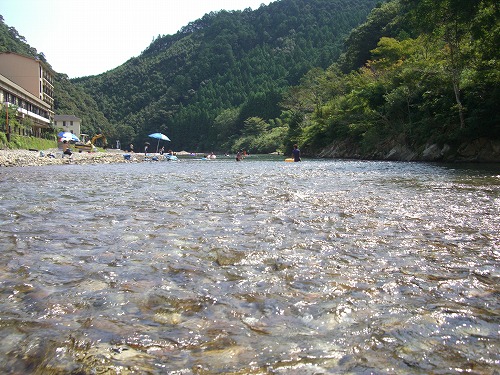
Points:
[(26, 143)]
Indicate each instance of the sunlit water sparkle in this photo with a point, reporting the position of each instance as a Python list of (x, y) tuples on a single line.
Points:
[(209, 267)]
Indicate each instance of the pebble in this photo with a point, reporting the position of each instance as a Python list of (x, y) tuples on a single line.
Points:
[(28, 158)]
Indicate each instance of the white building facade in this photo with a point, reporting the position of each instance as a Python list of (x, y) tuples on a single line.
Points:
[(68, 123)]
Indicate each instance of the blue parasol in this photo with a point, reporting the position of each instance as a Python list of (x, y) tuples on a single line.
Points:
[(159, 137), (68, 136)]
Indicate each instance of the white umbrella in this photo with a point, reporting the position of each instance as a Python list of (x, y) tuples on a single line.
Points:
[(159, 137)]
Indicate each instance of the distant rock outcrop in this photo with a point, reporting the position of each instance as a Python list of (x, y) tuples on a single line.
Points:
[(481, 150)]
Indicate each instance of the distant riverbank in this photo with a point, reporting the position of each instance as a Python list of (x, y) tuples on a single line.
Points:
[(480, 150), (27, 158)]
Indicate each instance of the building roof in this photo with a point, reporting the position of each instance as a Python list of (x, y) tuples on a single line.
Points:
[(45, 64), (66, 118)]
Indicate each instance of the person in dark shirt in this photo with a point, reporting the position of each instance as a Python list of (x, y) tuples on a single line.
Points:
[(296, 153)]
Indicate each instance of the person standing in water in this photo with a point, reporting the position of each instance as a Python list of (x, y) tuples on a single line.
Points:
[(296, 153)]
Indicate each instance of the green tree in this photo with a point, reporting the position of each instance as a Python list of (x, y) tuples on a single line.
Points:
[(383, 21), (224, 125), (254, 126), (449, 21)]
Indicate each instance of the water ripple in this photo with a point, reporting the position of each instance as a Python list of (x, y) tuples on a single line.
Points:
[(253, 267)]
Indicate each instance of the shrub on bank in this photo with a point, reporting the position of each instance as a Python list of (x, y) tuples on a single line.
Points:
[(18, 142)]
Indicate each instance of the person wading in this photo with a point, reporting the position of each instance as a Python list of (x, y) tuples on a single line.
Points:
[(296, 153)]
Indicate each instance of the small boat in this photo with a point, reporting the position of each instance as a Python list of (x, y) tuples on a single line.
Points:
[(289, 159)]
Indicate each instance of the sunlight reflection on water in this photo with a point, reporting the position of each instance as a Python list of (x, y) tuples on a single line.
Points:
[(252, 267)]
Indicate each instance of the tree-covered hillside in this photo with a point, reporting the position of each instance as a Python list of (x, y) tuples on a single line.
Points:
[(431, 76), (208, 84), (12, 41), (401, 79), (72, 99)]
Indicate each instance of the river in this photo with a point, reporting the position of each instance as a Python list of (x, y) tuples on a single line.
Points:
[(252, 267)]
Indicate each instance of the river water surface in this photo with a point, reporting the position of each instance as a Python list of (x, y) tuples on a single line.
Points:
[(256, 267)]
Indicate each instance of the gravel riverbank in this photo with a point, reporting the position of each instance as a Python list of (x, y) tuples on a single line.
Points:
[(27, 158)]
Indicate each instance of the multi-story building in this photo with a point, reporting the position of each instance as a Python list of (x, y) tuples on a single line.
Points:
[(28, 84)]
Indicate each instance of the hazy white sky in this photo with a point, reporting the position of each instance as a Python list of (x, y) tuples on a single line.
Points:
[(82, 38)]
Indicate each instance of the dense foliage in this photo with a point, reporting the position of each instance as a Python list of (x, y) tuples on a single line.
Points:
[(202, 85), (433, 76), (12, 41), (313, 72), (72, 99)]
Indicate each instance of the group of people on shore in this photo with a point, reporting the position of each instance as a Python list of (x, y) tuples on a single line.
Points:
[(240, 155)]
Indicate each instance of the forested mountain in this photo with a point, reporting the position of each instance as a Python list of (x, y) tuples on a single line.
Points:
[(73, 99), (401, 79), (223, 76), (429, 88)]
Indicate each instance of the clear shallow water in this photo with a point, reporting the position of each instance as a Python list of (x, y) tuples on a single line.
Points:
[(211, 267)]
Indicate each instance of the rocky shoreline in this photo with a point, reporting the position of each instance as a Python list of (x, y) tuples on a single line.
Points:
[(30, 158), (479, 150)]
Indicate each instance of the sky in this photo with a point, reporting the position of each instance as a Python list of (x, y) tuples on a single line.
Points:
[(82, 38)]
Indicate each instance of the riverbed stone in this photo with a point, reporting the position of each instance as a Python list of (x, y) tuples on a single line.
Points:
[(26, 158)]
